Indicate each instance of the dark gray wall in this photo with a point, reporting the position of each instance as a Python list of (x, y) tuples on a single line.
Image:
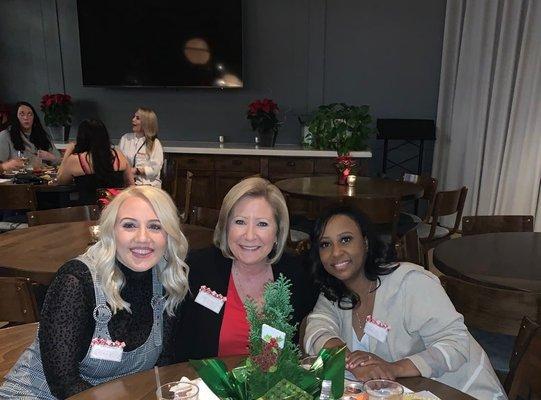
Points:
[(301, 53)]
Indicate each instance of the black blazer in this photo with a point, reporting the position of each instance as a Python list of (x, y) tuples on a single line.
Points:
[(198, 330)]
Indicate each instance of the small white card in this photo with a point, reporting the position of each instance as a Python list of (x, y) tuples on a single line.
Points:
[(105, 352), (268, 333), (210, 299), (376, 329)]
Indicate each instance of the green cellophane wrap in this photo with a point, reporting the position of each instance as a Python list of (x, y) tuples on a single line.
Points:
[(269, 370)]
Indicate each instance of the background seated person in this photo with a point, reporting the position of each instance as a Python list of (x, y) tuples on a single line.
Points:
[(115, 291), (426, 336), (250, 237), (25, 137), (93, 163), (143, 149)]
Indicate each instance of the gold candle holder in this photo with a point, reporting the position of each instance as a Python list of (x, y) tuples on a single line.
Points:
[(351, 180)]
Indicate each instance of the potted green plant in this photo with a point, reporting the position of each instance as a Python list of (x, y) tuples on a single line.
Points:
[(340, 127)]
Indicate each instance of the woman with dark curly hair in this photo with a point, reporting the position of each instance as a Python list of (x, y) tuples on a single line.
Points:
[(395, 318), (26, 135)]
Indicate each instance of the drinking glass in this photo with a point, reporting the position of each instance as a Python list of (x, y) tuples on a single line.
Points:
[(20, 154), (178, 391), (307, 362), (379, 389)]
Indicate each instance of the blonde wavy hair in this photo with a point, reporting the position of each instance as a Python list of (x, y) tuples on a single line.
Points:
[(254, 188), (172, 270), (149, 124)]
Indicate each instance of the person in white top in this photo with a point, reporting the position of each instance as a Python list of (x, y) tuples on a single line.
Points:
[(143, 149)]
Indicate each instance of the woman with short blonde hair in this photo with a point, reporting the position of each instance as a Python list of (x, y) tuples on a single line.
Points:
[(254, 187), (143, 148), (110, 311), (250, 237)]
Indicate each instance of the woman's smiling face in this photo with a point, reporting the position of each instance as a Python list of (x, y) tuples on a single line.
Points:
[(342, 248)]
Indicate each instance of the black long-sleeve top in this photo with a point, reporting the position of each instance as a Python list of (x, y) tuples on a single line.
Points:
[(67, 324)]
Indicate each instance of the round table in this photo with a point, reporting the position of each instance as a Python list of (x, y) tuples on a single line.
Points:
[(365, 187), (506, 260), (143, 385), (39, 251)]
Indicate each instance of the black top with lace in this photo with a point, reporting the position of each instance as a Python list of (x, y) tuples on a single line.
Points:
[(67, 324)]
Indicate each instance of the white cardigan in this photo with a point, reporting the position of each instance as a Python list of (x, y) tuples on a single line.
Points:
[(424, 327), (151, 164)]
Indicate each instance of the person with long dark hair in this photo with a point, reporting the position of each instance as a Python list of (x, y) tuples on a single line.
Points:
[(394, 317), (93, 163), (25, 137)]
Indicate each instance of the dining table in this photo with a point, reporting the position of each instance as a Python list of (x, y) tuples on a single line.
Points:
[(327, 187), (142, 386), (39, 251), (508, 260)]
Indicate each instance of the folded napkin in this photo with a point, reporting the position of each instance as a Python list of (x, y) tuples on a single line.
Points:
[(204, 392)]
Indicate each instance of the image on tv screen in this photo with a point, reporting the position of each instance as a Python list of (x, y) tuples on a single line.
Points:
[(161, 43)]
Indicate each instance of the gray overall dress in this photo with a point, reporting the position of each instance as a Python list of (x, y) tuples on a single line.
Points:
[(26, 380)]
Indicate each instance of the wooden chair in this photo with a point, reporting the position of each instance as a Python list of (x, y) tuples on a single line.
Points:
[(185, 214), (524, 369), (489, 308), (475, 225), (493, 316), (430, 187), (13, 342), (18, 303), (68, 214), (169, 175), (204, 216), (17, 197), (431, 233), (384, 213)]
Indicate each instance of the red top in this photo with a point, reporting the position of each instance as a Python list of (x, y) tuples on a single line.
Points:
[(235, 328), (86, 166)]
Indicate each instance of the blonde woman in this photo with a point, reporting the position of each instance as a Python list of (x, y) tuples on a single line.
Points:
[(124, 289), (143, 149), (250, 237)]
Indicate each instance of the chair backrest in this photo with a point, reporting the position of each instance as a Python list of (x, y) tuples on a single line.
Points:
[(447, 202), (475, 225), (430, 187), (17, 197), (169, 175), (17, 300), (13, 342), (204, 216), (68, 214), (382, 211), (185, 214), (491, 309), (523, 381)]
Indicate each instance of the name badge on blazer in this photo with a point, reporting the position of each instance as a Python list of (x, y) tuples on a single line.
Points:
[(104, 349), (208, 298), (376, 329)]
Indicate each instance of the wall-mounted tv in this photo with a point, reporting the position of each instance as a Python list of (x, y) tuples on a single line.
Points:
[(161, 43)]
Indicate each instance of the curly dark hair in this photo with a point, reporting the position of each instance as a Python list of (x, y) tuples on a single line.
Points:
[(93, 138), (378, 254), (38, 135)]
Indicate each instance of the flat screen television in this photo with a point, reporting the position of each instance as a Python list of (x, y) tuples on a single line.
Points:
[(161, 43)]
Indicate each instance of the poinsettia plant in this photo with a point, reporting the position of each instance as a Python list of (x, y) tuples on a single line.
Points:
[(263, 115), (57, 109)]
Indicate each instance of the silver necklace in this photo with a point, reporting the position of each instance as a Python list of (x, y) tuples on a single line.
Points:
[(366, 295)]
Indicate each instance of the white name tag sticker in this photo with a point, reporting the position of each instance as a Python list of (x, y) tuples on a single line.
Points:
[(106, 350), (210, 299), (268, 333), (376, 329)]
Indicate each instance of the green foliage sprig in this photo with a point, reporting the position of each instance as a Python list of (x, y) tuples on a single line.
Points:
[(277, 312)]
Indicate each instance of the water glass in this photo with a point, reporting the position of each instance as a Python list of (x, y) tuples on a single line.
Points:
[(178, 391), (379, 389), (307, 362)]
